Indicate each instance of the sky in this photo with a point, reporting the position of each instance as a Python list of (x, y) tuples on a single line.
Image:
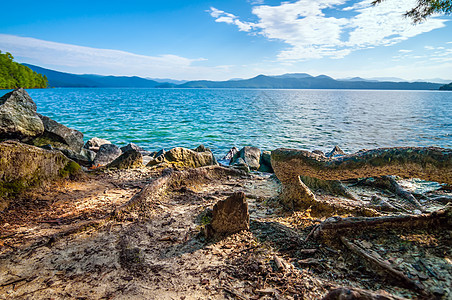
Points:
[(221, 40)]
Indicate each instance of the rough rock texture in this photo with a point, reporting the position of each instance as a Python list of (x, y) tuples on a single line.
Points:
[(335, 152), (94, 143), (129, 159), (106, 154), (251, 156), (265, 162), (185, 158), (59, 136), (430, 163), (231, 154), (231, 215), (22, 166), (18, 118)]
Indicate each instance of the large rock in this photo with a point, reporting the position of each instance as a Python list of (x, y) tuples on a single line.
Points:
[(59, 136), (228, 157), (129, 159), (265, 162), (185, 158), (251, 156), (23, 166), (106, 154), (231, 215), (94, 143), (18, 118)]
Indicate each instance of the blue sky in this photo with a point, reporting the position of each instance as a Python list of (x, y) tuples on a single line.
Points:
[(219, 40)]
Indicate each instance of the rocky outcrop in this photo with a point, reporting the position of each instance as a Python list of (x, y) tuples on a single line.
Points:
[(129, 159), (94, 143), (228, 157), (59, 136), (335, 152), (18, 118), (265, 162), (184, 158), (430, 163), (231, 215), (23, 166), (106, 154), (249, 155)]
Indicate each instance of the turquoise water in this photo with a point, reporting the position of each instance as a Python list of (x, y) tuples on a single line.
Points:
[(268, 119)]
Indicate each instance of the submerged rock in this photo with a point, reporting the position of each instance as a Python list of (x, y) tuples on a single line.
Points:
[(18, 117), (129, 159), (106, 154), (231, 215), (23, 166), (59, 136), (94, 143), (250, 155)]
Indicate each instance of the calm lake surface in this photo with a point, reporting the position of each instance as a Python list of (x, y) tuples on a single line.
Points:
[(268, 119)]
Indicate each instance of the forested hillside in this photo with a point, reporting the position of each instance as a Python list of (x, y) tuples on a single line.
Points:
[(14, 75)]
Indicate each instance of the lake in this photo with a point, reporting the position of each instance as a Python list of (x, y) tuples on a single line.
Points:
[(268, 119)]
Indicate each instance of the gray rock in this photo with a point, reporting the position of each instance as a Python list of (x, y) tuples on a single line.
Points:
[(201, 148), (18, 118), (184, 158), (131, 146), (106, 154), (230, 154), (90, 155), (59, 136), (250, 155), (266, 165), (231, 215), (335, 152), (129, 159), (319, 152), (94, 143), (77, 157)]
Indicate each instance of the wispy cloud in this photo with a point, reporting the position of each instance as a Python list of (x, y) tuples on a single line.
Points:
[(311, 33), (71, 58)]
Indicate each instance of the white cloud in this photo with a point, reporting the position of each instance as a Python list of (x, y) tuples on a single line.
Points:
[(79, 59), (310, 33), (405, 51)]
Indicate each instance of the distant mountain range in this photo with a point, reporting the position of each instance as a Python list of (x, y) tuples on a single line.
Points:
[(285, 81)]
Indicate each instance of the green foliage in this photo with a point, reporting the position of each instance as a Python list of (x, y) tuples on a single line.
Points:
[(446, 87), (72, 168), (426, 8), (14, 75)]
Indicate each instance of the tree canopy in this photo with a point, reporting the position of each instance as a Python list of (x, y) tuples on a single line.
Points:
[(426, 8), (14, 75)]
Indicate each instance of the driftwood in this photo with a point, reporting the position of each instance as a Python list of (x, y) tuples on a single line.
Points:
[(378, 264), (434, 164), (335, 226), (348, 293)]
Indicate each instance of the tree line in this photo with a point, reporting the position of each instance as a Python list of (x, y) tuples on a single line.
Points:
[(14, 75)]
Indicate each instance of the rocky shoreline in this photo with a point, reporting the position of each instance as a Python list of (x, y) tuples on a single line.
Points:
[(98, 221)]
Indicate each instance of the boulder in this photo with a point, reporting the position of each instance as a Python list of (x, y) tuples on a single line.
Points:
[(18, 117), (132, 146), (335, 152), (94, 144), (106, 154), (185, 158), (251, 156), (230, 154), (266, 165), (231, 215), (59, 136), (129, 159), (79, 158), (23, 166)]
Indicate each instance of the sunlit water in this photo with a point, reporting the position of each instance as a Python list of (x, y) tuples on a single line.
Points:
[(268, 119)]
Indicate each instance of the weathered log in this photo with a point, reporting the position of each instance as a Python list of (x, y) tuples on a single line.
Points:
[(349, 293), (430, 163), (171, 179), (385, 267), (336, 226)]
